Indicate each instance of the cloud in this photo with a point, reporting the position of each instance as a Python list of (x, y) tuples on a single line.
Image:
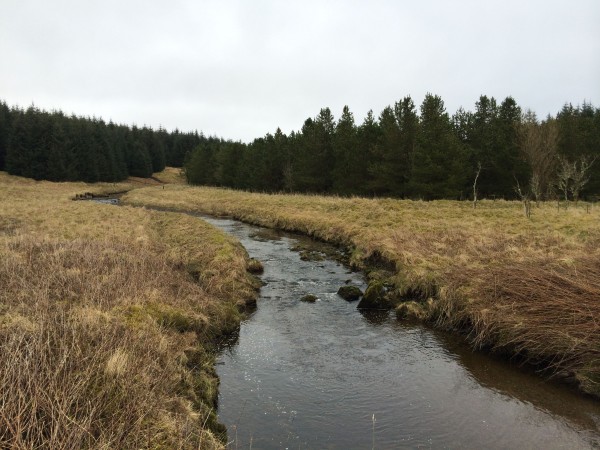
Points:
[(240, 69)]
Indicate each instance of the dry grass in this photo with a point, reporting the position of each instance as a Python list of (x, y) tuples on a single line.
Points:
[(171, 175), (529, 287), (107, 318)]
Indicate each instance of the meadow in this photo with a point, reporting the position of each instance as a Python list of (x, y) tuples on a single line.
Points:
[(527, 287), (109, 318)]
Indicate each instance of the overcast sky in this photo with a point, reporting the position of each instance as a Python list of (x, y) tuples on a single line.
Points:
[(240, 69)]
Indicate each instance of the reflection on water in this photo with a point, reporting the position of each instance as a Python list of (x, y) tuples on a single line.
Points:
[(498, 374), (326, 375), (375, 317)]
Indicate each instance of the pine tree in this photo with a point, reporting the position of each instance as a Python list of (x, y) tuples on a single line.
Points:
[(349, 166), (440, 165), (155, 147), (26, 151), (60, 157), (368, 135), (383, 154), (509, 162), (227, 159), (5, 130), (314, 162), (408, 121)]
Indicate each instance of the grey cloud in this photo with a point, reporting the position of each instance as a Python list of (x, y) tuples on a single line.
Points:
[(240, 69)]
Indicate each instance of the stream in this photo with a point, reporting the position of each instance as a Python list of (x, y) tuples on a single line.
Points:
[(326, 375)]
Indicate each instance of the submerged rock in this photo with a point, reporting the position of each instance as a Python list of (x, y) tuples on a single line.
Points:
[(350, 293), (309, 298), (375, 297), (308, 255)]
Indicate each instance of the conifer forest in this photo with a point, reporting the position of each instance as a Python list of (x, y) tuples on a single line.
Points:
[(496, 150)]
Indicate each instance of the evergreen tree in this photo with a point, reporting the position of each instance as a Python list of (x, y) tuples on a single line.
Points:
[(26, 154), (383, 155), (391, 156), (349, 167), (509, 162), (368, 135), (5, 130), (61, 161), (440, 165), (227, 159), (156, 148), (139, 161), (117, 142), (408, 121), (273, 154), (483, 145), (579, 137), (315, 154), (200, 166)]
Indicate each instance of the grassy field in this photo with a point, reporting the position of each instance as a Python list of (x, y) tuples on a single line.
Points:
[(527, 287), (108, 317)]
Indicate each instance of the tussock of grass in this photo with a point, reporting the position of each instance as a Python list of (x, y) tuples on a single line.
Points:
[(105, 332), (527, 287)]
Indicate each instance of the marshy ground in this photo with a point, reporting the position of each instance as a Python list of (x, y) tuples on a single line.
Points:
[(108, 315)]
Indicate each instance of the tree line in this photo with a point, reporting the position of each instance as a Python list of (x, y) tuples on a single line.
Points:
[(496, 150), (407, 152), (52, 146)]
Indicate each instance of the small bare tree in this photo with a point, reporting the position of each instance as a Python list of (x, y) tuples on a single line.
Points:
[(564, 176), (539, 143), (536, 187), (475, 185), (525, 199), (580, 175)]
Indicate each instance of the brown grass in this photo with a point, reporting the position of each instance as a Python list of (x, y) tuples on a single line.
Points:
[(107, 319), (527, 287), (171, 175)]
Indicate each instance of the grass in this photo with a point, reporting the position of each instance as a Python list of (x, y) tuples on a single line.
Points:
[(171, 175), (108, 317), (525, 287)]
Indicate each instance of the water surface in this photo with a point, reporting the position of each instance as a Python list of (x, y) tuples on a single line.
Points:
[(325, 375)]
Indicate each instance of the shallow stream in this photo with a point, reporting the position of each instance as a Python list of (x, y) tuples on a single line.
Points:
[(325, 375)]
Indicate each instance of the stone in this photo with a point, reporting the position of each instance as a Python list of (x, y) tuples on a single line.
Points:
[(309, 298), (350, 293), (375, 297)]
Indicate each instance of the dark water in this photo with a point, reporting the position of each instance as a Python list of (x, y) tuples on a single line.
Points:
[(324, 375)]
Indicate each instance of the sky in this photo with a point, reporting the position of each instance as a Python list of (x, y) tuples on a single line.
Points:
[(240, 69)]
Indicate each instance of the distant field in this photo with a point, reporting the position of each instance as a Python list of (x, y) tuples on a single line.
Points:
[(524, 286), (107, 318)]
